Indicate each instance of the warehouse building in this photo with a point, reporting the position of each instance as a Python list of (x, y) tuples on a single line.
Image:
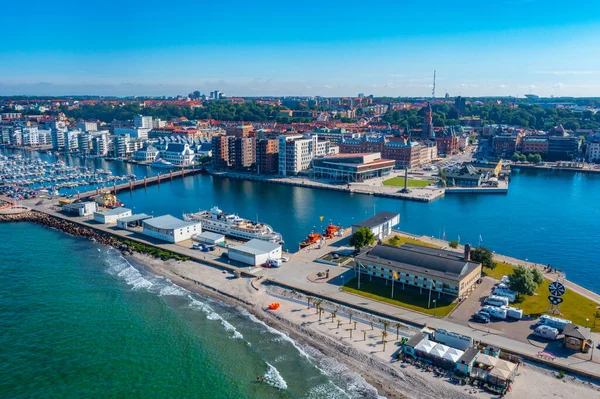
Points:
[(169, 228), (208, 237), (132, 222), (81, 208), (380, 224), (255, 252), (112, 215)]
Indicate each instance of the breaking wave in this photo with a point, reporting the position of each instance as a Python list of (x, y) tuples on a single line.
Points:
[(273, 378)]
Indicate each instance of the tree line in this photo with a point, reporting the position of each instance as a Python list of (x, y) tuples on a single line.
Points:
[(527, 115)]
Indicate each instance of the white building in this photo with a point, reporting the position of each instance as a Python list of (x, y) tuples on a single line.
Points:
[(143, 122), (30, 136), (81, 208), (148, 153), (133, 222), (178, 154), (593, 151), (112, 215), (71, 140), (100, 143), (84, 142), (255, 252), (208, 237), (380, 224), (169, 228), (296, 153), (134, 132), (157, 123), (87, 126)]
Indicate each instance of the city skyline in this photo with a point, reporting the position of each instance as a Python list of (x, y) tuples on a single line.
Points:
[(509, 48)]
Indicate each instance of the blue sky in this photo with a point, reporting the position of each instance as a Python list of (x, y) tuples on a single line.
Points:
[(330, 48)]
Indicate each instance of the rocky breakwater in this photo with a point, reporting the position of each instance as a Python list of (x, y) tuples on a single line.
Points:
[(68, 227)]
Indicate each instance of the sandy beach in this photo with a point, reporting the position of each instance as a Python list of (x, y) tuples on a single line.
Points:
[(362, 353)]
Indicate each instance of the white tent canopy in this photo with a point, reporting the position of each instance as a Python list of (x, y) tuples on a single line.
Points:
[(453, 354), (439, 350), (425, 346)]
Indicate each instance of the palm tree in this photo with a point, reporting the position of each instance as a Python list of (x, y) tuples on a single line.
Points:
[(333, 314), (355, 323), (385, 325), (350, 314), (339, 322), (371, 322), (364, 335), (397, 331), (309, 300), (320, 311), (383, 341), (318, 305)]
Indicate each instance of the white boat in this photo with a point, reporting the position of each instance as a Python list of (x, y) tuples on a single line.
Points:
[(161, 163), (234, 226)]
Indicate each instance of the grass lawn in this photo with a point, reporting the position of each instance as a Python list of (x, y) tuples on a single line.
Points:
[(340, 259), (409, 299), (399, 182), (399, 240), (575, 307)]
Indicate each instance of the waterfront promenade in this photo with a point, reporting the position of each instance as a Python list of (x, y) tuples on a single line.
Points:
[(294, 276), (426, 194)]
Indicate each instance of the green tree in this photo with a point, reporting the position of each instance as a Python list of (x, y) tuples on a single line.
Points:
[(361, 238), (538, 277), (522, 281), (483, 256), (453, 244), (516, 157)]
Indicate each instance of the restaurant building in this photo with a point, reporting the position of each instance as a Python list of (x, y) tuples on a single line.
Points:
[(426, 269), (352, 167)]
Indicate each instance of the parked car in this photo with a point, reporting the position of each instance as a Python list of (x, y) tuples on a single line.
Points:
[(481, 317)]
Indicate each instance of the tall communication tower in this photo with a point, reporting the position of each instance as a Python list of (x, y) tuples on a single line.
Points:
[(433, 90)]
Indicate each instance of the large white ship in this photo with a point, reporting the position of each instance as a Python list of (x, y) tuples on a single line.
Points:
[(234, 226)]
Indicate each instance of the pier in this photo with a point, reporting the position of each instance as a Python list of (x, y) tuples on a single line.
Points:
[(144, 182)]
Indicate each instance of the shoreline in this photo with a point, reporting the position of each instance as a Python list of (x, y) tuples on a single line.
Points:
[(376, 367), (378, 381)]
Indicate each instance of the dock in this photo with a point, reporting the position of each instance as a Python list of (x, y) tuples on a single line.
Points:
[(145, 182)]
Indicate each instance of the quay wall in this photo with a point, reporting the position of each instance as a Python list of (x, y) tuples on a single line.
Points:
[(319, 186)]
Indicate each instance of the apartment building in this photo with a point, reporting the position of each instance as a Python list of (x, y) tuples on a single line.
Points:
[(296, 153)]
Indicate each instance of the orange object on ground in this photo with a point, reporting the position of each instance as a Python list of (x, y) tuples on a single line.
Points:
[(274, 306)]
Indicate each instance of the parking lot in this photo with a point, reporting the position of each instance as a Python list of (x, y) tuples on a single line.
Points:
[(518, 330)]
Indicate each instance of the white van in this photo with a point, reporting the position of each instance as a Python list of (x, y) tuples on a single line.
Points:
[(553, 322), (495, 312), (504, 280), (511, 295), (514, 313), (496, 300), (546, 332)]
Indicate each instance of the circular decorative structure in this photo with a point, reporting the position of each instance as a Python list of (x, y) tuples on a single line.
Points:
[(556, 289), (555, 300)]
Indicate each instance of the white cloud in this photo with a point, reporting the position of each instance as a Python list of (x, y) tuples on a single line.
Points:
[(328, 86), (468, 86), (558, 86), (503, 86)]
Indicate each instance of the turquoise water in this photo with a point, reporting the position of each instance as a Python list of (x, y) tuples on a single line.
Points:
[(547, 217), (79, 321)]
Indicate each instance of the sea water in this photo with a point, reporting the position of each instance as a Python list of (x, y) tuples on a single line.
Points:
[(79, 320)]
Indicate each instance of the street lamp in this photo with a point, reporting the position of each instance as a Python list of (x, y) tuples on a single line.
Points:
[(434, 307)]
